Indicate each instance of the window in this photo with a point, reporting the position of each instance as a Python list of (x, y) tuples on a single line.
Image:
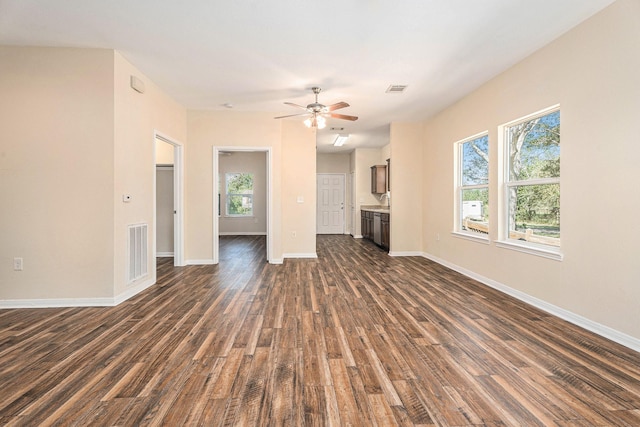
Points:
[(532, 181), (472, 201), (239, 192)]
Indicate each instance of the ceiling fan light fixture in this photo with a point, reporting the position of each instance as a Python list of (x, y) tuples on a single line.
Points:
[(316, 121), (340, 140)]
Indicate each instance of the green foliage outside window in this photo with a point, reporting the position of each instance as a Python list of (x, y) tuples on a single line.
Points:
[(239, 194), (534, 172)]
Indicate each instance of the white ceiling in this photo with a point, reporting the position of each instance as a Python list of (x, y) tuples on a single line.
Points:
[(257, 54)]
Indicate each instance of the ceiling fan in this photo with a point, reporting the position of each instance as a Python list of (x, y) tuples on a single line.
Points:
[(318, 112)]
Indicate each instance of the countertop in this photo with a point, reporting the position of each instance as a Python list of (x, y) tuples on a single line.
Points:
[(375, 208)]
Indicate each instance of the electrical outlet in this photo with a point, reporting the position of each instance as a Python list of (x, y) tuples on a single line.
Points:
[(293, 234), (18, 264)]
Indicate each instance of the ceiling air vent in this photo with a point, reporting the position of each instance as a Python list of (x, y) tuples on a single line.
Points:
[(337, 129), (396, 88)]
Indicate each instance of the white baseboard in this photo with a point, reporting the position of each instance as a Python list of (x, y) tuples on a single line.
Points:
[(164, 254), (242, 233), (56, 303), (199, 262), (77, 302), (357, 236), (597, 328), (405, 253), (301, 255), (134, 290), (276, 261)]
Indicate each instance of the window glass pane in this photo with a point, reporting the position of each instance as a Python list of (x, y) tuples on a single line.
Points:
[(475, 210), (240, 183), (239, 204), (239, 193), (537, 213), (534, 148), (475, 161)]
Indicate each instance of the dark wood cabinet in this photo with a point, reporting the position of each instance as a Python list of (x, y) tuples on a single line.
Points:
[(379, 179), (366, 224), (367, 221), (384, 224)]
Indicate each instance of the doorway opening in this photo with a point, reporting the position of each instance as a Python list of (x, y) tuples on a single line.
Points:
[(242, 198), (168, 221)]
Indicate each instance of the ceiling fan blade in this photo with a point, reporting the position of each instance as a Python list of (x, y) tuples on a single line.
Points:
[(343, 117), (337, 106), (295, 105), (292, 115)]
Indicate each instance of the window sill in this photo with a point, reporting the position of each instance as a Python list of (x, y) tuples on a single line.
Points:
[(238, 216), (478, 238), (532, 249)]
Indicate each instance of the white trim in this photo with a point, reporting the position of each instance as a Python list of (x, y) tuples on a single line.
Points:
[(531, 249), (276, 261), (178, 197), (164, 255), (269, 183), (357, 236), (405, 253), (597, 328), (471, 237), (300, 255), (505, 185), (200, 262), (134, 290), (56, 303), (242, 233), (77, 302)]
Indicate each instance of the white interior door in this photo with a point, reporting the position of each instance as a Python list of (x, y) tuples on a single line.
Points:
[(330, 204)]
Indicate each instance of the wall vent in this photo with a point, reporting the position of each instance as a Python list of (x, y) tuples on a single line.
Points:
[(138, 259), (396, 88)]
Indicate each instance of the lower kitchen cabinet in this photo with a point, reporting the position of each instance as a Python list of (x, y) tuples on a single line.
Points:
[(384, 229), (375, 227)]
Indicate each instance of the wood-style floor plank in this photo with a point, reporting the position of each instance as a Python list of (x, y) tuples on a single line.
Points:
[(355, 337)]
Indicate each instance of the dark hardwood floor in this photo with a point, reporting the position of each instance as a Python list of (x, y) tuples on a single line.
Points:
[(353, 338)]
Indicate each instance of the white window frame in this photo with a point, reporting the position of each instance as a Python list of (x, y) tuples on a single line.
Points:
[(227, 194), (459, 188), (504, 241)]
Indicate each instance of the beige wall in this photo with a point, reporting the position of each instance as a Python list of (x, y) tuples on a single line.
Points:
[(246, 162), (332, 163), (591, 72), (363, 159), (56, 173), (298, 181), (406, 188), (239, 129), (164, 153), (76, 138), (137, 115)]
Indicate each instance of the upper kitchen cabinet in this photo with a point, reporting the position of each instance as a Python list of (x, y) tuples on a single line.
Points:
[(379, 179)]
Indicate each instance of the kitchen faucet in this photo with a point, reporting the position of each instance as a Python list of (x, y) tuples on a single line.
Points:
[(388, 196)]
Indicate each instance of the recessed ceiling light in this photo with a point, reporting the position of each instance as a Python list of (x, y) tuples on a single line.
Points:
[(396, 88), (340, 140)]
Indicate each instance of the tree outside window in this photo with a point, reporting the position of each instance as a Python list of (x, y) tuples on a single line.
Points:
[(533, 179), (473, 185), (239, 192)]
